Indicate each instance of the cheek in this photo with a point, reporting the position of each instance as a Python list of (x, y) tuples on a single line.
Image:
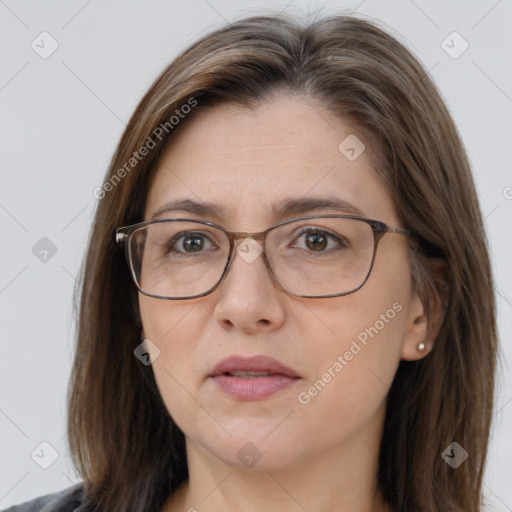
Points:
[(354, 371), (169, 326), (355, 364), (166, 323)]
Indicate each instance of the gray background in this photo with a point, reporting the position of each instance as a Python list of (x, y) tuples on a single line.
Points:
[(61, 117)]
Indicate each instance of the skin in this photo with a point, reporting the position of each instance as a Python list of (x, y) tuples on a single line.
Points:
[(316, 456)]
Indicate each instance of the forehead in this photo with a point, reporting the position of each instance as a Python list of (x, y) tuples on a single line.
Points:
[(248, 160)]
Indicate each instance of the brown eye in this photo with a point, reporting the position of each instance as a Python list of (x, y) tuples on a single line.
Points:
[(188, 243), (316, 240), (319, 241), (192, 243)]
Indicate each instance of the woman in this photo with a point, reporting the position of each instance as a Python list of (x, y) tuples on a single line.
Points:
[(287, 300)]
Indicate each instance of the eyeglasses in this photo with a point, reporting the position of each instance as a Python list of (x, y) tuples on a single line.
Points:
[(317, 256)]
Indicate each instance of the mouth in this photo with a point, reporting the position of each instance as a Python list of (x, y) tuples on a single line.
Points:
[(250, 375), (252, 367), (253, 378)]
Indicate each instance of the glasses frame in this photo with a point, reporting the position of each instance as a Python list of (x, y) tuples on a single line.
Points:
[(123, 238)]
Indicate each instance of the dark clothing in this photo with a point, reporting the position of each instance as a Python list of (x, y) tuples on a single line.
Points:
[(67, 500)]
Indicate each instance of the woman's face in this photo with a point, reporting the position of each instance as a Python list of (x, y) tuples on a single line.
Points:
[(344, 350)]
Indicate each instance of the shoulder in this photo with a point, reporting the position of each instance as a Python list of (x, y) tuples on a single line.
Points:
[(67, 500)]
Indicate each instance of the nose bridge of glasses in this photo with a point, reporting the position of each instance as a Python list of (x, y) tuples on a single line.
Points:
[(236, 238), (242, 235), (254, 248)]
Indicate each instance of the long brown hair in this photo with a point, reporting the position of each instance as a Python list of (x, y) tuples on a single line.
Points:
[(126, 447)]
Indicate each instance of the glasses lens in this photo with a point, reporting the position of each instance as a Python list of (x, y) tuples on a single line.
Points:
[(321, 256), (178, 258)]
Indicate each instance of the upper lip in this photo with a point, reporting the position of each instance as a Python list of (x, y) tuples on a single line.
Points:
[(259, 363)]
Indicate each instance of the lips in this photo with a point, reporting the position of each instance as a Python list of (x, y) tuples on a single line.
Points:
[(253, 367), (252, 378)]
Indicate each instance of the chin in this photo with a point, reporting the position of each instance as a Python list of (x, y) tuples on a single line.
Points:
[(256, 449)]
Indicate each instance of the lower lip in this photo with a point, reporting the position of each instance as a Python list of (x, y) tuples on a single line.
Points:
[(255, 388)]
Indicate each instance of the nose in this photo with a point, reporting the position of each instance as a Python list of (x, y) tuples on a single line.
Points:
[(248, 298)]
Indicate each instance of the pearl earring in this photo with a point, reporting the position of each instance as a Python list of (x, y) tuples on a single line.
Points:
[(421, 347)]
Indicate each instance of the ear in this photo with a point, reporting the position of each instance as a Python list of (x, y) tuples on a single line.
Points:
[(426, 315)]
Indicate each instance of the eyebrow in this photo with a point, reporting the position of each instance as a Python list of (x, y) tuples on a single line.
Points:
[(285, 207)]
